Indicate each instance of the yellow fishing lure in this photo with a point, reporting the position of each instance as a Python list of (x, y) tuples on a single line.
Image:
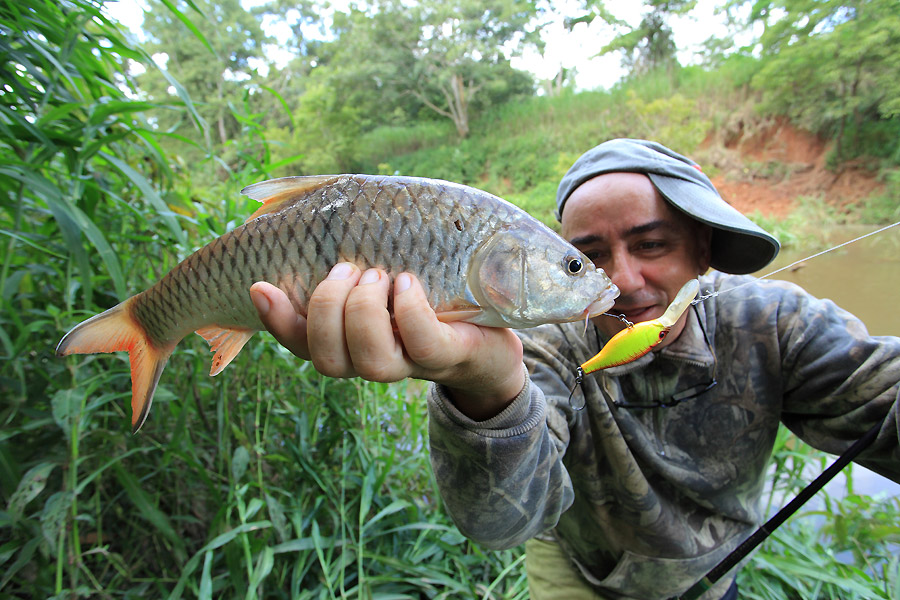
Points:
[(638, 339)]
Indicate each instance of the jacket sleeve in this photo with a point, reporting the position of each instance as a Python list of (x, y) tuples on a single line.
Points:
[(839, 381), (503, 480)]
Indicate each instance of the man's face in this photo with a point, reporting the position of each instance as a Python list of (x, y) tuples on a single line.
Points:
[(647, 247)]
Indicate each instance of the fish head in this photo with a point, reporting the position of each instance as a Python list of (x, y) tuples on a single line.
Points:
[(528, 276)]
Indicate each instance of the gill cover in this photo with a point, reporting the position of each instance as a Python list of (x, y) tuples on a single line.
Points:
[(499, 273)]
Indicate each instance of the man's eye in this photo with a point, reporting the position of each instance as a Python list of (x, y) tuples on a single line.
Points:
[(651, 246), (594, 255)]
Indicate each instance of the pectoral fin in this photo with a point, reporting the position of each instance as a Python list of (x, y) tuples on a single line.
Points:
[(226, 343), (463, 314)]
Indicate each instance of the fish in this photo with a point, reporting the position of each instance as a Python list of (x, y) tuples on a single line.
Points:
[(638, 339), (479, 258)]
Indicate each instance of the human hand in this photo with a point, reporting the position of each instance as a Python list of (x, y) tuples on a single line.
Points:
[(348, 332)]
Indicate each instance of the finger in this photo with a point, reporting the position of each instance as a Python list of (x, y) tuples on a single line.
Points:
[(429, 343), (483, 363), (279, 317), (374, 349), (325, 322)]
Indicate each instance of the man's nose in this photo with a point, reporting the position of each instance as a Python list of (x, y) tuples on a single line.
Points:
[(625, 272)]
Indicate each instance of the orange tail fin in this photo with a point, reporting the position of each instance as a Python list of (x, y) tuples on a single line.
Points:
[(116, 330)]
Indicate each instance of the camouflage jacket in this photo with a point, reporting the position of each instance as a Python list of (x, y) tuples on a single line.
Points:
[(646, 501)]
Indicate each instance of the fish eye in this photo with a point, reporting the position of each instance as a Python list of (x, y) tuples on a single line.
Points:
[(574, 266)]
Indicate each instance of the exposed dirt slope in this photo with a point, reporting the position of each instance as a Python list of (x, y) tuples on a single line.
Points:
[(769, 169)]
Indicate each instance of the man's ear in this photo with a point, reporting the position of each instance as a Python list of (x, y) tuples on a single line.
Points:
[(704, 244)]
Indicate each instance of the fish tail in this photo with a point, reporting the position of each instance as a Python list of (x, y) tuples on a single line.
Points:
[(114, 330)]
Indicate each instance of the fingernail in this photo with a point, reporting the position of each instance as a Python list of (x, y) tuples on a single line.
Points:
[(370, 276), (260, 302), (402, 283), (341, 271)]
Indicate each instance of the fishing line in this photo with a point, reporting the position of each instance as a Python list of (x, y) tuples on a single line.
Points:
[(703, 297)]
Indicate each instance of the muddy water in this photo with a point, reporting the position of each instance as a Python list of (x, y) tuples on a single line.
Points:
[(863, 277)]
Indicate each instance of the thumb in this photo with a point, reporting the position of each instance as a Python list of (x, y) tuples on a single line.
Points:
[(279, 317)]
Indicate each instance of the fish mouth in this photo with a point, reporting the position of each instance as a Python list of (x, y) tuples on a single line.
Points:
[(602, 304)]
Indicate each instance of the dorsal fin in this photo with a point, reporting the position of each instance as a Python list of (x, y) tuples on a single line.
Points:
[(276, 193)]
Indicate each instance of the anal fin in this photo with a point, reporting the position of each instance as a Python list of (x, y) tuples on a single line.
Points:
[(225, 342)]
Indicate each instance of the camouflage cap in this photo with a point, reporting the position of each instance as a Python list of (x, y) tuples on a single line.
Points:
[(738, 244)]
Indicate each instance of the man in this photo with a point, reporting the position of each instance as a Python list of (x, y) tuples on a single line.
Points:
[(658, 478)]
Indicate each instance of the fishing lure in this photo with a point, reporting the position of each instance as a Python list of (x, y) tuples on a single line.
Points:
[(638, 339)]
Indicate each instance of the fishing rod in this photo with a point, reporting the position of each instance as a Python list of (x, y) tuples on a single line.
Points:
[(757, 537)]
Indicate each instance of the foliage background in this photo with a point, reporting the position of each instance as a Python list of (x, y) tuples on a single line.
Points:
[(272, 481)]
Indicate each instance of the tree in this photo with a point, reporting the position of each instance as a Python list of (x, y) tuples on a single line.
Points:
[(650, 45), (832, 66), (210, 54), (461, 52), (445, 57)]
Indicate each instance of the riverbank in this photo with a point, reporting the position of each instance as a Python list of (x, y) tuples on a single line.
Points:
[(771, 168)]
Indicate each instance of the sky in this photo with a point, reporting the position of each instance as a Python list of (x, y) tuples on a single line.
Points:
[(576, 49)]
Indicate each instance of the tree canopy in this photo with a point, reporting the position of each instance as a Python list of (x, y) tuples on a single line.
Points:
[(832, 66)]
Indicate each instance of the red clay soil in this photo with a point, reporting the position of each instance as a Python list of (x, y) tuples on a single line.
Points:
[(769, 169)]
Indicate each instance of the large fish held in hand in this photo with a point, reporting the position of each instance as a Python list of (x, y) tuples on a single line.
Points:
[(479, 258)]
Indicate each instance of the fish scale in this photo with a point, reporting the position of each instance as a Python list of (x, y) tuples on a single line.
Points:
[(479, 259)]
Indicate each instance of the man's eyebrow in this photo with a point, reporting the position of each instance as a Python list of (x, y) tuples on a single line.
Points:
[(586, 240), (593, 238), (651, 226)]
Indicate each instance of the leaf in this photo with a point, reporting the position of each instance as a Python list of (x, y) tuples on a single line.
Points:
[(253, 507), (393, 507), (102, 111), (217, 542), (31, 484), (298, 545), (53, 517), (284, 104), (239, 462), (148, 508), (150, 194), (205, 578), (276, 515), (24, 558), (53, 198), (66, 406), (284, 162), (189, 24), (264, 564), (84, 482), (365, 500), (185, 97), (33, 133)]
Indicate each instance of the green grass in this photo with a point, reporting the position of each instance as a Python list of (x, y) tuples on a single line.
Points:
[(845, 549)]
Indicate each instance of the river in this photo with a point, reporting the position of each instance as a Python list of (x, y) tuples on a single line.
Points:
[(863, 277)]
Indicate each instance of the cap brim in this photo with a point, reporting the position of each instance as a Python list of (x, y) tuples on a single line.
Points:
[(738, 244)]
